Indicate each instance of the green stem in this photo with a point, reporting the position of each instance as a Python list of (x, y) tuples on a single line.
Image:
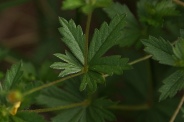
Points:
[(87, 40), (140, 59), (177, 109), (130, 107), (52, 83), (83, 103)]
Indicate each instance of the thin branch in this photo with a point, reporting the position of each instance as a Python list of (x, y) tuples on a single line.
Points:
[(83, 103), (177, 109), (179, 2), (130, 107), (88, 23), (140, 59), (52, 83)]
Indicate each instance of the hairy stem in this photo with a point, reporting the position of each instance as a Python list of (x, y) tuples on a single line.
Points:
[(83, 103), (179, 2), (140, 59), (87, 40), (52, 83), (177, 109), (130, 107)]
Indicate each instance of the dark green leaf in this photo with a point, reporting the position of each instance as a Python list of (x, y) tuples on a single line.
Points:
[(131, 27), (182, 33), (27, 117), (178, 50), (110, 65), (73, 37), (90, 81), (106, 37), (13, 77), (154, 12), (160, 49), (172, 84), (70, 67)]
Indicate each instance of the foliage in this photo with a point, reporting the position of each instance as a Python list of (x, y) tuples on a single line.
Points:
[(130, 91)]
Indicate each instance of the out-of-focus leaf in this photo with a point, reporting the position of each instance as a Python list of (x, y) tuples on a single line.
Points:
[(172, 84)]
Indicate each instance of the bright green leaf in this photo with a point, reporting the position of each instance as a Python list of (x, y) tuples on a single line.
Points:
[(110, 65), (73, 37), (13, 77), (160, 49), (72, 4), (172, 84), (106, 37)]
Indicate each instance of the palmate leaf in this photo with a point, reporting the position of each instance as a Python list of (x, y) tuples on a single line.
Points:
[(94, 112), (106, 37), (131, 28), (13, 77), (172, 84), (160, 49)]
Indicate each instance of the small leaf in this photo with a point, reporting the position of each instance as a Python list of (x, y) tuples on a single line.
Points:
[(13, 77), (70, 67), (72, 4), (106, 37), (172, 84), (90, 80), (110, 65), (178, 50), (160, 49), (73, 37)]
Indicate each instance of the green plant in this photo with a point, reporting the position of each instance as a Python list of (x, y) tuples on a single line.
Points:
[(78, 97)]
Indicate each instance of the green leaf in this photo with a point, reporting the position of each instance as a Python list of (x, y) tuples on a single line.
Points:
[(72, 4), (178, 50), (110, 65), (70, 67), (102, 3), (160, 49), (172, 84), (27, 117), (106, 37), (182, 33), (13, 77), (90, 80), (96, 111), (132, 26), (154, 12), (73, 37)]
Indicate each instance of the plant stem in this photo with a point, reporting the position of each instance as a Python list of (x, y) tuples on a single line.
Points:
[(130, 107), (177, 109), (52, 83), (87, 40), (179, 2), (140, 59), (83, 103)]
